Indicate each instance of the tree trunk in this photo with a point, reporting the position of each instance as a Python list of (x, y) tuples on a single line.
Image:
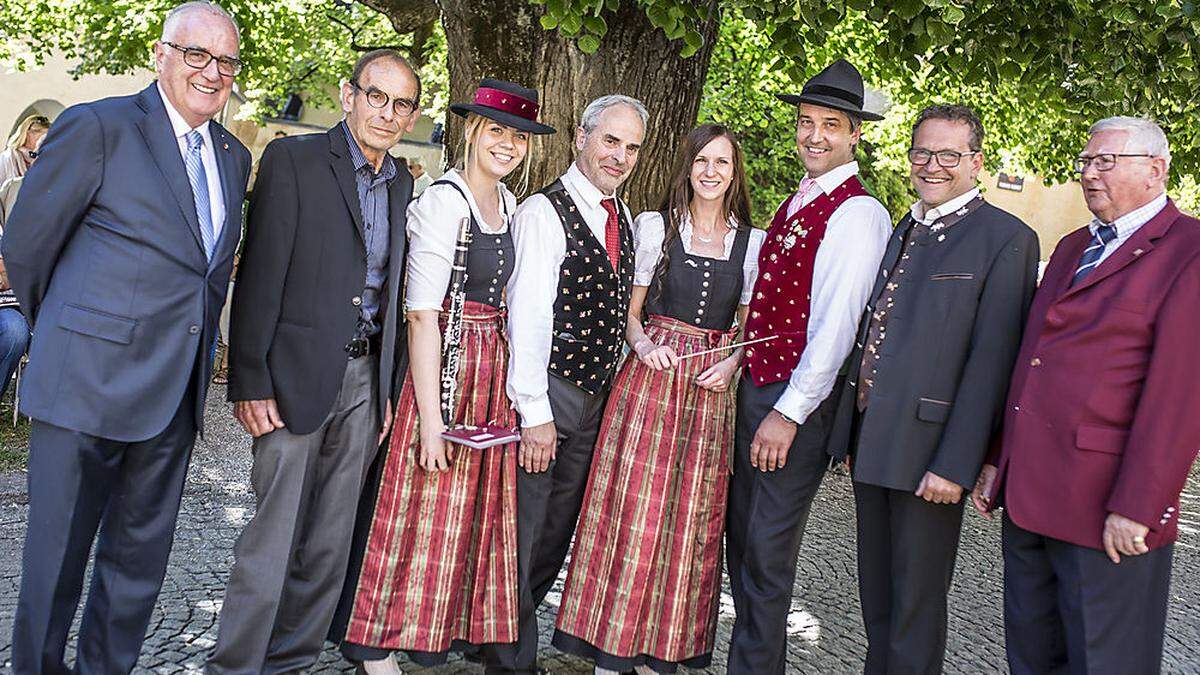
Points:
[(503, 39)]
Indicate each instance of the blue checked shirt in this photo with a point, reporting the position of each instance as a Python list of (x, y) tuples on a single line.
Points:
[(1127, 224), (373, 203)]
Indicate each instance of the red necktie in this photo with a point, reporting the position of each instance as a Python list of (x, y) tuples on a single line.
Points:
[(612, 234)]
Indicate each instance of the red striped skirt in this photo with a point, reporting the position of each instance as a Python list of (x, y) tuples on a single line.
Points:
[(645, 573), (441, 558)]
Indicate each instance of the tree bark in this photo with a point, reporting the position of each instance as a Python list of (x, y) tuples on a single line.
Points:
[(504, 39)]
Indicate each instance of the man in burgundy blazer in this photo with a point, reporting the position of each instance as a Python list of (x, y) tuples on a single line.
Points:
[(1102, 423)]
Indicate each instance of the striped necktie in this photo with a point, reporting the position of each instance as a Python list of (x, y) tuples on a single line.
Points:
[(1091, 255), (199, 180)]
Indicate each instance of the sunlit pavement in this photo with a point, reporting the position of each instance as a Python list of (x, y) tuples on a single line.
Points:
[(825, 630)]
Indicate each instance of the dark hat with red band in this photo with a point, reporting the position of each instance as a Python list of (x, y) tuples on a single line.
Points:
[(839, 86), (507, 103)]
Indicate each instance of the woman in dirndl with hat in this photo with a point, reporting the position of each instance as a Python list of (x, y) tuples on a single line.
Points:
[(645, 576), (439, 570)]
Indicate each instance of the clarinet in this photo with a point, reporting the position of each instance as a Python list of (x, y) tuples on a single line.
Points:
[(452, 337)]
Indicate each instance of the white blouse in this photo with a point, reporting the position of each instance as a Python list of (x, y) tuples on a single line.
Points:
[(433, 222), (648, 235)]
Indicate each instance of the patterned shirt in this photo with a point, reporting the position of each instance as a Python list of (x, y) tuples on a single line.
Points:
[(373, 203), (1129, 223)]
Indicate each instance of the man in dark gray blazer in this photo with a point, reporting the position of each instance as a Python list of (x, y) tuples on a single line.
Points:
[(925, 386), (315, 340), (120, 249)]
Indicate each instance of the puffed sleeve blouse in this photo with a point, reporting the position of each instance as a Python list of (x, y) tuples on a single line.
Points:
[(433, 223), (649, 232)]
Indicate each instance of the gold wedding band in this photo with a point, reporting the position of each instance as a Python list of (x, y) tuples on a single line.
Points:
[(1139, 539)]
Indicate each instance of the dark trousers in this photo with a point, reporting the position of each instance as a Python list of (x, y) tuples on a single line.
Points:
[(548, 506), (1069, 609), (130, 492), (291, 559), (764, 528), (906, 552)]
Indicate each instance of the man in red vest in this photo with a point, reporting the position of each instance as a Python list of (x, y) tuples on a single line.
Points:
[(1101, 426), (816, 269)]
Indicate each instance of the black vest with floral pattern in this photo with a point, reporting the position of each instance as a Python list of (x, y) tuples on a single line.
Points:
[(593, 299)]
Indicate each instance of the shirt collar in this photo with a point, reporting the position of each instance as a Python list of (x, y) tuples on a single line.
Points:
[(387, 171), (178, 126), (1130, 222), (829, 180), (591, 195), (920, 215)]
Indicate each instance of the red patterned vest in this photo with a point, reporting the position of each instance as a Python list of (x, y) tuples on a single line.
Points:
[(783, 292)]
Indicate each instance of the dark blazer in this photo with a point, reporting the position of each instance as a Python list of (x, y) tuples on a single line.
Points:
[(301, 277), (103, 250), (1103, 413), (945, 363)]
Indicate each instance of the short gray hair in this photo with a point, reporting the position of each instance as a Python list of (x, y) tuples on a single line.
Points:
[(175, 15), (593, 111), (1144, 135)]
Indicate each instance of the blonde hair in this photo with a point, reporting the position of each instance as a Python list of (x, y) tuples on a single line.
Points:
[(471, 130), (18, 138)]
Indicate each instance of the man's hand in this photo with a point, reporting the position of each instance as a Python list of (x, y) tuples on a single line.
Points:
[(387, 425), (983, 485), (1123, 536), (258, 417), (768, 450), (538, 447), (934, 488)]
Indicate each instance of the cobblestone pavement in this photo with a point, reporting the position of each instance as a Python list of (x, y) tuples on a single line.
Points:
[(825, 631)]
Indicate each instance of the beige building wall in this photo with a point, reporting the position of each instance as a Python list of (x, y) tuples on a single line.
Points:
[(51, 89), (1053, 211)]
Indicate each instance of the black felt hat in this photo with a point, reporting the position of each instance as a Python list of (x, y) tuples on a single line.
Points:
[(839, 86), (507, 103)]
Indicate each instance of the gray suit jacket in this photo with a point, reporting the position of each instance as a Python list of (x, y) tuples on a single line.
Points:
[(103, 250), (945, 364)]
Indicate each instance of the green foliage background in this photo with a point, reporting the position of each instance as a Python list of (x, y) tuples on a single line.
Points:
[(1037, 72)]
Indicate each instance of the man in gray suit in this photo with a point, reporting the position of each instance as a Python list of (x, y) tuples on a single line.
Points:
[(315, 344), (119, 250), (925, 385)]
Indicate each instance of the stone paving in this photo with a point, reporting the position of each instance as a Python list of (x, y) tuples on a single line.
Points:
[(825, 631)]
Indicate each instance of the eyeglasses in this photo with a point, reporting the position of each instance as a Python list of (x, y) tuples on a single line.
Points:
[(947, 159), (403, 107), (1104, 161), (199, 59)]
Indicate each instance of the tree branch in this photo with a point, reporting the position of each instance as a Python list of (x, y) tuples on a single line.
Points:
[(406, 15), (354, 44)]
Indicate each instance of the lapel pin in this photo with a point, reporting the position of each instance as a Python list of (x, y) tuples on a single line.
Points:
[(1138, 251), (226, 146), (941, 237)]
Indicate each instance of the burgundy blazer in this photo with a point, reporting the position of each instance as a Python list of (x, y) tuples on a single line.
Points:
[(1103, 412)]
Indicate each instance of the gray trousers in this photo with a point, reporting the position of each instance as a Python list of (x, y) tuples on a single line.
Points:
[(548, 505), (290, 561)]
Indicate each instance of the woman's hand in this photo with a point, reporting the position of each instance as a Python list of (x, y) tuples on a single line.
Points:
[(435, 451), (656, 357), (719, 377)]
